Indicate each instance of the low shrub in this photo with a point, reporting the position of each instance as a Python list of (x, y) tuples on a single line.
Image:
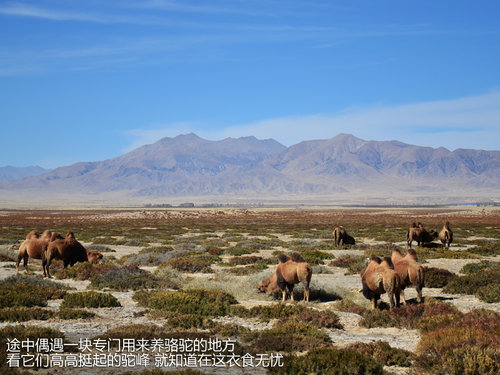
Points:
[(210, 302), (128, 278), (483, 283), (472, 268), (354, 264), (22, 314), (331, 361), (348, 305), (228, 330), (67, 313), (437, 277), (28, 291), (84, 270), (314, 257), (288, 336), (21, 332), (383, 353), (188, 264), (190, 321), (244, 260), (90, 299), (247, 270)]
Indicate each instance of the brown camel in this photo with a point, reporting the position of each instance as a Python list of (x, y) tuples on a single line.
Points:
[(69, 250), (419, 234), (341, 237), (409, 271), (446, 235), (379, 278), (33, 248), (290, 271)]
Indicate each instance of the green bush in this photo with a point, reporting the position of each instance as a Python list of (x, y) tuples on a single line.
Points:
[(21, 333), (329, 361), (28, 291), (354, 264), (66, 313), (210, 302), (383, 353), (22, 314), (189, 321), (288, 336), (314, 257), (484, 283), (89, 299), (437, 277), (472, 268), (188, 264)]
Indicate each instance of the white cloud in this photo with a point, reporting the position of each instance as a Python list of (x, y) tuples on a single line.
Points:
[(470, 122)]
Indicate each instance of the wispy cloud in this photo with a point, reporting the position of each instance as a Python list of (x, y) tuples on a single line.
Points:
[(23, 10), (470, 122)]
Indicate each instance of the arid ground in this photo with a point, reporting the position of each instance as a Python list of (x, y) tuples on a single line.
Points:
[(193, 273)]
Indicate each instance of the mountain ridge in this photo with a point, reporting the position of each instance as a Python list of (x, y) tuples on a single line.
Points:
[(188, 165)]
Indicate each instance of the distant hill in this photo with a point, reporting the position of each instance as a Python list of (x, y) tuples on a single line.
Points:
[(343, 166), (15, 173)]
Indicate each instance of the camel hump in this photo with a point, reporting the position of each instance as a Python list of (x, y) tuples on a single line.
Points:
[(396, 250), (376, 259), (413, 225), (388, 260), (296, 257), (412, 253), (447, 225), (283, 258)]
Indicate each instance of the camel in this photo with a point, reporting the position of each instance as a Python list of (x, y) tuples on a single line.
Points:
[(341, 237), (33, 247), (409, 271), (290, 271), (446, 235), (94, 256), (69, 250), (419, 234), (33, 235), (378, 278)]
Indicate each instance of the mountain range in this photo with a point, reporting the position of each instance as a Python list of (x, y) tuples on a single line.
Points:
[(343, 168)]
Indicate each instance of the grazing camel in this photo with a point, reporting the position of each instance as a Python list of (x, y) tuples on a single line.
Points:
[(409, 271), (290, 271), (69, 250), (446, 235), (341, 237), (378, 278), (33, 248), (419, 234)]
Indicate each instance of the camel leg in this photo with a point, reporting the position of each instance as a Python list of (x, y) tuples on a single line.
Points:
[(419, 294), (402, 295), (283, 291), (398, 299), (306, 294), (25, 263), (391, 301), (374, 303), (17, 263)]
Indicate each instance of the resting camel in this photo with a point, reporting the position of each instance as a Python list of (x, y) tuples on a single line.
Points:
[(341, 237), (379, 278), (419, 234), (33, 247), (94, 256), (409, 271), (69, 250), (446, 235), (291, 270)]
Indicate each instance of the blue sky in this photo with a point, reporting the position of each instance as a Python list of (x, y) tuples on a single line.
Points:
[(90, 80)]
